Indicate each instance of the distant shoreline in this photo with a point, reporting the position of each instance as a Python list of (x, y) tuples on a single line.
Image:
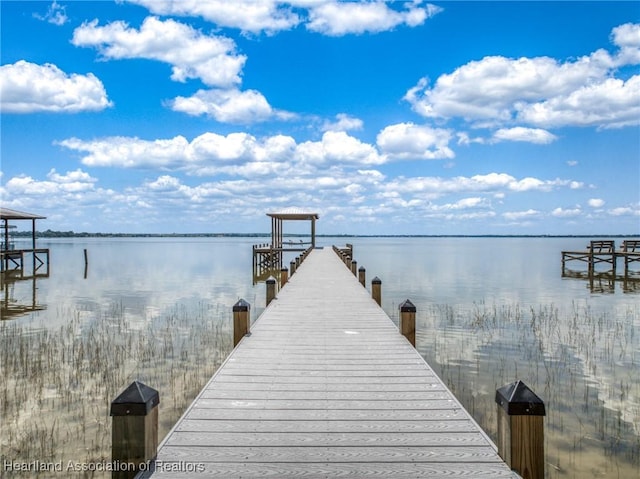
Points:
[(71, 234)]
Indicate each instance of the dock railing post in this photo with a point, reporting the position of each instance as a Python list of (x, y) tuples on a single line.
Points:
[(241, 320), (407, 322), (376, 290), (362, 273), (292, 268), (521, 429), (271, 289), (354, 267), (284, 276), (134, 435)]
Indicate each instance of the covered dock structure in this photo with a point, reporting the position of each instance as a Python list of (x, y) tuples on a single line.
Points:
[(13, 265), (268, 257), (12, 258)]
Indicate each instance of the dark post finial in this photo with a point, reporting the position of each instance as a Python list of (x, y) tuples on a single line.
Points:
[(407, 322), (521, 429), (134, 435), (241, 320), (271, 289), (362, 273), (376, 290)]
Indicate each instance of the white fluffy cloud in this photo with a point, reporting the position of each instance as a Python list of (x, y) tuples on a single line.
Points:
[(492, 182), (329, 17), (338, 147), (541, 91), (229, 106), (56, 14), (340, 18), (344, 122), (409, 141), (566, 212), (521, 215), (531, 135), (248, 15), (191, 54), (27, 87)]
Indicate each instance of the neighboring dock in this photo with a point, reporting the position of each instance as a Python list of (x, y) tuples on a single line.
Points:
[(325, 386), (601, 259)]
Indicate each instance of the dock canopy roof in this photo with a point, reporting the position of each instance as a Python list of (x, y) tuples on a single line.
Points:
[(7, 214), (294, 213)]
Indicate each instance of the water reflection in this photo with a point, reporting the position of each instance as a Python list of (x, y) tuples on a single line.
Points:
[(19, 286), (490, 311)]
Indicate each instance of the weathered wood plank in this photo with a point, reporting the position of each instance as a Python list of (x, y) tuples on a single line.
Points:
[(357, 454), (326, 439), (306, 470), (441, 424)]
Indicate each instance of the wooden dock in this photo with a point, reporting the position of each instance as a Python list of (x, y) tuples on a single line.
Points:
[(325, 386)]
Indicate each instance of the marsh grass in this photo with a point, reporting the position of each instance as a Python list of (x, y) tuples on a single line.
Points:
[(585, 365), (58, 384)]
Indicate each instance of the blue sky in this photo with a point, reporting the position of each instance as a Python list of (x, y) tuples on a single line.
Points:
[(161, 116)]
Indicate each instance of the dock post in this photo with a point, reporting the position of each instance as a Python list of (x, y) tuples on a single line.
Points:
[(362, 272), (354, 267), (376, 290), (521, 429), (292, 268), (407, 323), (134, 436), (284, 276), (271, 289), (241, 320)]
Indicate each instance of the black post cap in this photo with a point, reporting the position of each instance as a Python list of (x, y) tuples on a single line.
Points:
[(241, 306), (517, 399), (376, 280), (271, 280), (407, 307), (137, 400), (361, 268)]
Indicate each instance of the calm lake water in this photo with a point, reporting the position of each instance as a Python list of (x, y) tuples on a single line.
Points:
[(490, 311)]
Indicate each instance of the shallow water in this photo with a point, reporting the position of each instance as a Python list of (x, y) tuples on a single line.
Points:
[(490, 311)]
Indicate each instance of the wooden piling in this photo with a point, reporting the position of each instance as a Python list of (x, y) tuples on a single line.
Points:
[(284, 276), (241, 320), (521, 429), (376, 290), (292, 268), (407, 322), (134, 437), (271, 289), (362, 273), (354, 267)]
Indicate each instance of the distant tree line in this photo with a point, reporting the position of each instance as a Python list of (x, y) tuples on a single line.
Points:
[(71, 234)]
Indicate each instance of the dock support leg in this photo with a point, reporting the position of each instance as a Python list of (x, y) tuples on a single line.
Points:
[(407, 323), (241, 321), (354, 267), (284, 276), (521, 429), (134, 438), (362, 273), (376, 290)]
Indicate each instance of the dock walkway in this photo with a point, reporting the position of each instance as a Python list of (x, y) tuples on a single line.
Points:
[(325, 386)]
